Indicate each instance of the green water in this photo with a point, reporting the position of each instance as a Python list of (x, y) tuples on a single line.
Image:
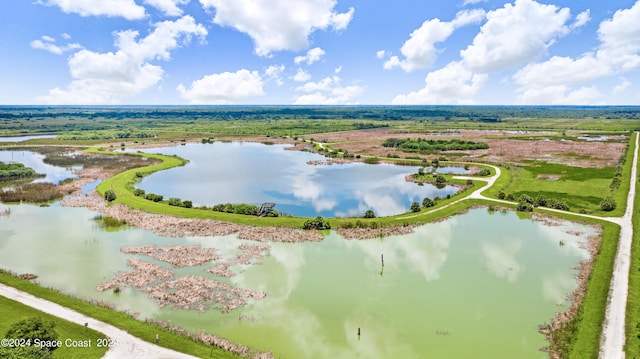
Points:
[(475, 285)]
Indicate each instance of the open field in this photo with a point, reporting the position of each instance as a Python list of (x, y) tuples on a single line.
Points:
[(572, 156)]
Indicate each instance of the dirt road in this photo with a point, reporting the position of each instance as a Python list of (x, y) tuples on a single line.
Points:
[(124, 344), (613, 331)]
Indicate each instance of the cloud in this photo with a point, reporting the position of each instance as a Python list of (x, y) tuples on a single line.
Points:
[(276, 25), (622, 86), (223, 88), (127, 9), (617, 52), (312, 56), (168, 7), (109, 77), (453, 84), (581, 19), (47, 43), (328, 91), (301, 76), (515, 34), (420, 50), (380, 54), (274, 73), (471, 2)]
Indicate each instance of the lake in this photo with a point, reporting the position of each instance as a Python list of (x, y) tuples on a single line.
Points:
[(474, 285), (241, 172)]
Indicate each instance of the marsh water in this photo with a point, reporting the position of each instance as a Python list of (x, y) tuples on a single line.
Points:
[(477, 284), (53, 174), (255, 173)]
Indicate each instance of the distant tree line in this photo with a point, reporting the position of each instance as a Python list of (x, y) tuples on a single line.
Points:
[(424, 145)]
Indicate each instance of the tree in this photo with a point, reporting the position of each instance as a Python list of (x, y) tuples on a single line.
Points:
[(34, 328), (415, 207), (369, 214), (109, 195), (441, 179), (428, 202), (316, 223), (608, 204)]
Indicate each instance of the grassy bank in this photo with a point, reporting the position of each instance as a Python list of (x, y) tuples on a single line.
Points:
[(142, 330), (12, 312), (632, 320)]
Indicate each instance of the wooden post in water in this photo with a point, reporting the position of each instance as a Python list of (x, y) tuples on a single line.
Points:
[(358, 333), (382, 258)]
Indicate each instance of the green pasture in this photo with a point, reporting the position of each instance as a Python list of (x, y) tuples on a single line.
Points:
[(12, 312)]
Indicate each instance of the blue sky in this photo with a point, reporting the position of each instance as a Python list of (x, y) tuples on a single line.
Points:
[(172, 52)]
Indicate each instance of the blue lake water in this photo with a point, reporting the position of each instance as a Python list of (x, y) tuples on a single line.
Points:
[(53, 174), (241, 172), (24, 138)]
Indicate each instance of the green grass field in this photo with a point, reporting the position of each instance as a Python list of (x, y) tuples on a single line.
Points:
[(12, 311)]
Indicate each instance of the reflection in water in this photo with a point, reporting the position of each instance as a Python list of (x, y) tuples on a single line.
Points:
[(501, 259), (34, 160), (256, 173), (451, 289)]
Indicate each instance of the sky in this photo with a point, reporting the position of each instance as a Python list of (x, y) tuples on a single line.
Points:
[(320, 52)]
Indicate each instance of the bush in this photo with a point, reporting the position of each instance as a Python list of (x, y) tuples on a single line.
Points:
[(608, 204), (484, 172), (558, 205), (428, 202), (187, 204), (316, 223), (34, 328), (153, 197), (510, 197), (173, 201), (138, 192), (369, 214), (415, 207), (109, 195), (502, 195), (541, 201), (525, 198), (524, 207), (441, 179)]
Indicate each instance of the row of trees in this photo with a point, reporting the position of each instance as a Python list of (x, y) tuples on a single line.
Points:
[(427, 146)]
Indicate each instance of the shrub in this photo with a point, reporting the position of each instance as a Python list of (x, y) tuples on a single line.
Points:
[(510, 197), (608, 204), (558, 205), (369, 214), (524, 207), (34, 328), (484, 172), (109, 195), (428, 202), (187, 204), (415, 207), (441, 179), (153, 197), (138, 192), (173, 201), (502, 195), (316, 223), (525, 198), (541, 201)]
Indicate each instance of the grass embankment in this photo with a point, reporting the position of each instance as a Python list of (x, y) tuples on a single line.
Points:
[(580, 337), (632, 325), (12, 312), (123, 185), (582, 189), (142, 330)]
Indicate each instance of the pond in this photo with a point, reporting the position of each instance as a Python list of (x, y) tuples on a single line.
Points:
[(474, 285), (240, 172), (24, 138), (53, 174)]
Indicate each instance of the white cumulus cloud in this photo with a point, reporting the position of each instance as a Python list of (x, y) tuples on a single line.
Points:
[(274, 73), (453, 84), (223, 88), (301, 76), (420, 49), (109, 77), (47, 43), (312, 56), (168, 7), (276, 25), (618, 52), (328, 91), (515, 34), (127, 9)]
